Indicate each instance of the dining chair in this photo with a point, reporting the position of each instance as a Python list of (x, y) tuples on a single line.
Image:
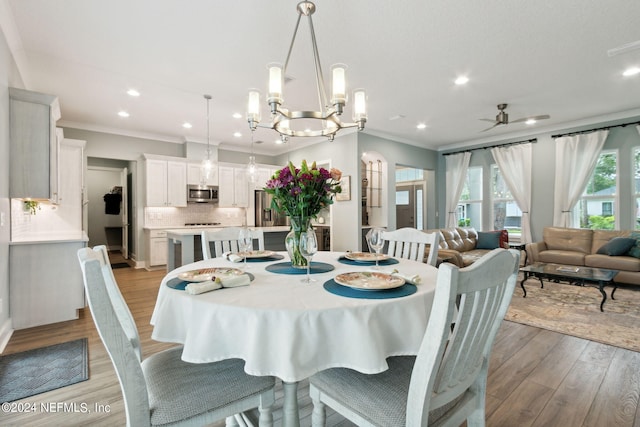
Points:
[(445, 384), (226, 240), (410, 243), (163, 389)]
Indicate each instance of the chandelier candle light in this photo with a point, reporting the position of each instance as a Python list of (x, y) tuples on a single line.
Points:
[(327, 118), (301, 194)]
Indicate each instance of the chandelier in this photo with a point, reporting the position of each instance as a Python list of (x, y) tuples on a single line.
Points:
[(323, 122)]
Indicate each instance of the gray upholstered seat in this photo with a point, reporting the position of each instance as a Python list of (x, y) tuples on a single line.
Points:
[(162, 389), (446, 383)]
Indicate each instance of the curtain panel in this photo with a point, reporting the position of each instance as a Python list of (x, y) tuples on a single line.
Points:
[(576, 158), (457, 165), (515, 165)]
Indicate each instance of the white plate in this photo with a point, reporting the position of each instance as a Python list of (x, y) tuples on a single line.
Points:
[(365, 256), (255, 254), (369, 280), (205, 274)]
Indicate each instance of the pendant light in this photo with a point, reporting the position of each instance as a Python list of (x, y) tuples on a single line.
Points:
[(206, 168), (252, 168)]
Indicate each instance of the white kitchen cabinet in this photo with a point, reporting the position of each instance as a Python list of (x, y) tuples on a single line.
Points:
[(166, 182), (34, 143), (45, 282), (264, 175), (233, 191), (194, 175), (156, 248)]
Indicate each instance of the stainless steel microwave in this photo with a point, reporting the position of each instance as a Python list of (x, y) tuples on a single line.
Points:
[(202, 194)]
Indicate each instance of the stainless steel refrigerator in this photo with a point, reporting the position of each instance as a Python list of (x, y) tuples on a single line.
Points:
[(265, 216)]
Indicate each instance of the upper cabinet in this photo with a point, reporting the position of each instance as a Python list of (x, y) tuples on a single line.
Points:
[(34, 146), (194, 175), (166, 181), (233, 189)]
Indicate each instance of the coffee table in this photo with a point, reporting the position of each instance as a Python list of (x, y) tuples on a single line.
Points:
[(575, 275)]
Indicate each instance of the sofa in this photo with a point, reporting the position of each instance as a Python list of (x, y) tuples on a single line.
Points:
[(590, 248), (463, 246)]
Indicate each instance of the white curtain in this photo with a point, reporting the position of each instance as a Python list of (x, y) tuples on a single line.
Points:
[(514, 162), (576, 158), (457, 165)]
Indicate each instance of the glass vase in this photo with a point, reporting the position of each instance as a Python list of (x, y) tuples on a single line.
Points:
[(292, 241)]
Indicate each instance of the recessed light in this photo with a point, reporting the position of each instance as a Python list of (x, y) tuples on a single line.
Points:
[(461, 80), (421, 126), (631, 71), (237, 115), (530, 122), (237, 134), (187, 125), (133, 92), (123, 114)]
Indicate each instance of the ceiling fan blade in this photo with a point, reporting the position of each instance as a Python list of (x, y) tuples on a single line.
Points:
[(524, 119), (496, 124), (488, 120)]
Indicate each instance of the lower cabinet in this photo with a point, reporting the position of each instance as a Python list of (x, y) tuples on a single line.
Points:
[(45, 283), (156, 248)]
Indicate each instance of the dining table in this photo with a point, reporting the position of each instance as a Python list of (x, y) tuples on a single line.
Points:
[(284, 327)]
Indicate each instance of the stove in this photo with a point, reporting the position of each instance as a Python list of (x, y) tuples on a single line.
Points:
[(200, 224)]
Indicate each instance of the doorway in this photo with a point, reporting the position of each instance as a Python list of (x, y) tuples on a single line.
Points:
[(410, 197), (107, 208)]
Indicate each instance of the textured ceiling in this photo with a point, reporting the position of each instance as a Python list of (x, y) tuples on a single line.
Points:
[(540, 57)]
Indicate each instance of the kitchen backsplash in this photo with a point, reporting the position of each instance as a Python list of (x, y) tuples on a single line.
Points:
[(193, 213), (47, 222)]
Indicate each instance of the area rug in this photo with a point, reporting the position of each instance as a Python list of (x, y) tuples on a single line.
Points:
[(575, 310), (43, 369)]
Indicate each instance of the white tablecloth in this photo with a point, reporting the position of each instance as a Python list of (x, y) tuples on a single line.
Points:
[(289, 329)]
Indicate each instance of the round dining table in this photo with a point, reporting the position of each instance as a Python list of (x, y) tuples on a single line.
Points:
[(289, 329)]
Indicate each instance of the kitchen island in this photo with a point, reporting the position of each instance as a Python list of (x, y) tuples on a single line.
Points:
[(186, 238)]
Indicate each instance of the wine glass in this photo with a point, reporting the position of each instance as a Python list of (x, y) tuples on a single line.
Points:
[(376, 241), (245, 243), (308, 247)]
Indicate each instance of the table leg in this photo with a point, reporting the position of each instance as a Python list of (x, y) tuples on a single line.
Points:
[(290, 416), (604, 294)]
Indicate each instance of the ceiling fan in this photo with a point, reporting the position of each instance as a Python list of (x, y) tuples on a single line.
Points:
[(503, 118)]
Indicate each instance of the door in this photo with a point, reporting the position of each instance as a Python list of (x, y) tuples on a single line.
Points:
[(125, 212), (405, 206)]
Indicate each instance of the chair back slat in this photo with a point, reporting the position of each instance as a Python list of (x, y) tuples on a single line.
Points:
[(109, 321), (468, 308), (411, 243), (226, 240)]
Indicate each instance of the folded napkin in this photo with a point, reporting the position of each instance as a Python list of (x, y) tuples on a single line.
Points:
[(414, 280), (234, 281), (232, 257), (201, 287)]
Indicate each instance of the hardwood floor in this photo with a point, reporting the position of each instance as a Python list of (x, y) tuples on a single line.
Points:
[(537, 377)]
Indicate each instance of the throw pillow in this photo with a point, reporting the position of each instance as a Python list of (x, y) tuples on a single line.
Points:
[(617, 246), (488, 240), (635, 250)]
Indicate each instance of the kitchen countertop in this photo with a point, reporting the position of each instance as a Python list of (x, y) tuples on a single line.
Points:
[(185, 231), (52, 238)]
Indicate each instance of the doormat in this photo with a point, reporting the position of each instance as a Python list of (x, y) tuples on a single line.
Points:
[(43, 369), (120, 265)]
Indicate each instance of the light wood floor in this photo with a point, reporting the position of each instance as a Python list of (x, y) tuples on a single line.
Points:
[(537, 377)]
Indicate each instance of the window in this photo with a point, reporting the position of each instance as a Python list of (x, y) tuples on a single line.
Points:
[(596, 208), (506, 213), (636, 187), (470, 203)]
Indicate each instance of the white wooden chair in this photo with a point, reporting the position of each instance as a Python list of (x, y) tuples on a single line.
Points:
[(162, 389), (446, 383), (226, 240), (410, 243)]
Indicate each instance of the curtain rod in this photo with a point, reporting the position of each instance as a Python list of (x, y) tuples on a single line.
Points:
[(534, 140), (580, 132)]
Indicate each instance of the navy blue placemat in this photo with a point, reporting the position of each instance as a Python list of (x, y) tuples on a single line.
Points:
[(285, 268), (179, 284), (345, 291), (389, 261), (274, 257)]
